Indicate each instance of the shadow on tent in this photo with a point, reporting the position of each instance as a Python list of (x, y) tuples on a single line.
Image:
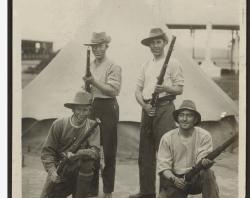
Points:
[(35, 131)]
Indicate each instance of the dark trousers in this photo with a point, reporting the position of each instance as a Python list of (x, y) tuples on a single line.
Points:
[(204, 183), (149, 144), (107, 110), (77, 181)]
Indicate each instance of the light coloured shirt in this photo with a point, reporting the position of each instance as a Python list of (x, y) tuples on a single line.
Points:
[(179, 154), (61, 135), (151, 70), (107, 72)]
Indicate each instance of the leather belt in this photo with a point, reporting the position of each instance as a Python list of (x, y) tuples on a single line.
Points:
[(169, 98), (104, 99)]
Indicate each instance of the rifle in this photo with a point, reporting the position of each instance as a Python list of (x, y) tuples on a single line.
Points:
[(197, 168), (160, 79), (211, 156), (88, 73), (63, 164)]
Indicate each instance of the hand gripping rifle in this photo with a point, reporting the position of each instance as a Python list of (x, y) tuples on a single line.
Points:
[(211, 156), (63, 164), (88, 73), (160, 79)]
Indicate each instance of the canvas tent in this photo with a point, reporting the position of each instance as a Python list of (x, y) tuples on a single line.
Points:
[(127, 22)]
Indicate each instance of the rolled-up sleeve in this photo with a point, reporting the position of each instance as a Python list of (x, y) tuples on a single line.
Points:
[(115, 77), (205, 147), (164, 157), (176, 73), (50, 147)]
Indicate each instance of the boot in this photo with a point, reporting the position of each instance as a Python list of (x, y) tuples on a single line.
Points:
[(140, 195), (94, 187), (83, 186), (107, 195), (137, 195)]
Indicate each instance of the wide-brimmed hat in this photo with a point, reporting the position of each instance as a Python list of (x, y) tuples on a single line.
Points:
[(154, 33), (187, 105), (81, 98), (99, 38)]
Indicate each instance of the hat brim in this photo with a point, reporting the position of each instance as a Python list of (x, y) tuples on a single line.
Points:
[(93, 44), (148, 40), (177, 112), (73, 105)]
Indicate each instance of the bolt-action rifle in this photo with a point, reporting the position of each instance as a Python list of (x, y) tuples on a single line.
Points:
[(88, 73), (211, 156), (198, 167), (160, 79)]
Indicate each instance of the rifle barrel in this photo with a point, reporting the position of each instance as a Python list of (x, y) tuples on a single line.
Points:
[(88, 73), (197, 168)]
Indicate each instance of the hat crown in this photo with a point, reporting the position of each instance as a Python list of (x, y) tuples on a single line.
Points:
[(100, 37), (82, 98), (156, 32), (188, 104)]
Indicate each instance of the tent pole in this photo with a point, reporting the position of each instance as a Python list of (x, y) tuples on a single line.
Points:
[(193, 47), (232, 46)]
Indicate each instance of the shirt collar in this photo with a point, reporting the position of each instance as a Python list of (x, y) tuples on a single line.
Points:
[(104, 61), (75, 126)]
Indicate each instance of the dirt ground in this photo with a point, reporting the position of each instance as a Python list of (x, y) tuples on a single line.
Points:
[(225, 168)]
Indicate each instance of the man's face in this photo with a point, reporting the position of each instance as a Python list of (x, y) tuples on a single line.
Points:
[(186, 119), (157, 46), (99, 50), (81, 112)]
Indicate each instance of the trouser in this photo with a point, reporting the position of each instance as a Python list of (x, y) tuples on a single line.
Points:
[(76, 182), (149, 144), (204, 182), (107, 110)]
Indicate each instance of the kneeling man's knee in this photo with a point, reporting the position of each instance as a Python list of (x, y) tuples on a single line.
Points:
[(86, 167)]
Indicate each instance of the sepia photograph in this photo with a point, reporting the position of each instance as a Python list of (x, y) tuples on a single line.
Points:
[(128, 99)]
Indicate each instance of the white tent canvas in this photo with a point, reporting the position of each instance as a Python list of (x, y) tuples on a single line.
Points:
[(44, 97)]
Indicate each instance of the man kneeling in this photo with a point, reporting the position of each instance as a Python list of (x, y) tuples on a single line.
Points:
[(182, 148), (64, 133)]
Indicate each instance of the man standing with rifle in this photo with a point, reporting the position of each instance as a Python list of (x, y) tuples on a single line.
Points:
[(105, 85), (181, 150), (156, 117), (70, 151)]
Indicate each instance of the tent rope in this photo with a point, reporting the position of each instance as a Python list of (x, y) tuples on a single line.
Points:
[(28, 130)]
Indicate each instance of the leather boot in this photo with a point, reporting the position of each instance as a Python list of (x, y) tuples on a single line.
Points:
[(137, 195), (83, 186), (140, 195), (107, 195)]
